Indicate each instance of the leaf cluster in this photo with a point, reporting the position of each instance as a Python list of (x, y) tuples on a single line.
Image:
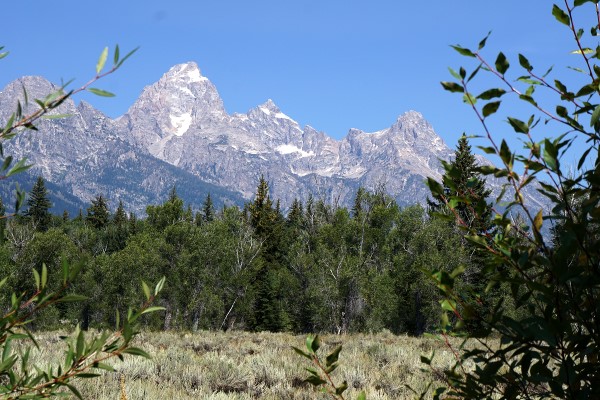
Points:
[(551, 349), (320, 374)]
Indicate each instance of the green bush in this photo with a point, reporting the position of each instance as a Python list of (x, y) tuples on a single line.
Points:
[(551, 350)]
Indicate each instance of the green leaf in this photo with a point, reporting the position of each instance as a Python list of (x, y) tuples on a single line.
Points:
[(159, 285), (80, 346), (586, 90), (584, 157), (518, 125), (126, 57), (19, 167), (333, 356), (435, 187), (74, 390), (578, 3), (560, 15), (315, 343), (538, 220), (303, 354), (482, 42), (69, 298), (362, 396), (87, 375), (100, 92), (146, 290), (468, 98), (550, 155), (103, 366), (491, 93), (65, 269), (463, 51), (57, 116), (36, 276), (4, 54), (448, 305), (525, 62), (116, 56), (453, 87), (502, 63), (487, 150), (490, 108), (342, 388), (101, 60), (44, 275), (595, 116), (505, 153), (137, 352), (315, 380), (153, 309), (585, 50), (454, 73)]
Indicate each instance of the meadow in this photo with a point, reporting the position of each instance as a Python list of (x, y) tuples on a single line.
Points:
[(243, 365)]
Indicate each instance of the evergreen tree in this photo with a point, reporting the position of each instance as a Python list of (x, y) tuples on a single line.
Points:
[(120, 217), (268, 312), (463, 180), (466, 182), (296, 214), (357, 208), (208, 209), (98, 214), (188, 215), (168, 213), (39, 205), (65, 216), (262, 215), (132, 224)]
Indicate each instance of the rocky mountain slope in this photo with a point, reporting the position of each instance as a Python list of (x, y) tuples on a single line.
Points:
[(178, 133)]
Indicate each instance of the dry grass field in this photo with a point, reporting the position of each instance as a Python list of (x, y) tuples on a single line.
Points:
[(242, 365)]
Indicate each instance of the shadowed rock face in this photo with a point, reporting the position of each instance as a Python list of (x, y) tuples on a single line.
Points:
[(178, 133)]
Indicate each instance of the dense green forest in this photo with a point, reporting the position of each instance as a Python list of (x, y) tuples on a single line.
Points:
[(319, 268)]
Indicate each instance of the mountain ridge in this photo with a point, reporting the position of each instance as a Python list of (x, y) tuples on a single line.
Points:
[(179, 126)]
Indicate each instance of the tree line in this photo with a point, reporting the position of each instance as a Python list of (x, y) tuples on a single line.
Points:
[(319, 268)]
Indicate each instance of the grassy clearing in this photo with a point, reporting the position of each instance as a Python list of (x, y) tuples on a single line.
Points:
[(242, 365)]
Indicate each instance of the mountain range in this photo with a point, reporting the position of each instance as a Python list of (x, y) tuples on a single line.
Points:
[(178, 133)]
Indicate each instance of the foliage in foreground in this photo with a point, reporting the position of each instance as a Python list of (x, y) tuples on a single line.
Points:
[(553, 350), (21, 378)]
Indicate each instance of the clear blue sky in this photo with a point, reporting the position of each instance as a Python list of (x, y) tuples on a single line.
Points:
[(333, 65)]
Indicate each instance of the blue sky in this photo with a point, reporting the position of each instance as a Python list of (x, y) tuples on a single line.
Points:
[(333, 65)]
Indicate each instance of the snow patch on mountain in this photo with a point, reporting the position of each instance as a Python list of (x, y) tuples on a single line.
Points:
[(290, 148), (181, 123)]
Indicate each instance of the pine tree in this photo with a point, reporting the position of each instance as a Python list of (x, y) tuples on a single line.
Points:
[(132, 224), (296, 214), (268, 312), (262, 215), (98, 214), (39, 205), (357, 208), (467, 183), (120, 217), (208, 209), (463, 180)]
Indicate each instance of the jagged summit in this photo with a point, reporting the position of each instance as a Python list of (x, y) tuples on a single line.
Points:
[(188, 72), (180, 122), (270, 106)]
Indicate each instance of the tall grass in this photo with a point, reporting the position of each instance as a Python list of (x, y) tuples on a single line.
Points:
[(242, 365)]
